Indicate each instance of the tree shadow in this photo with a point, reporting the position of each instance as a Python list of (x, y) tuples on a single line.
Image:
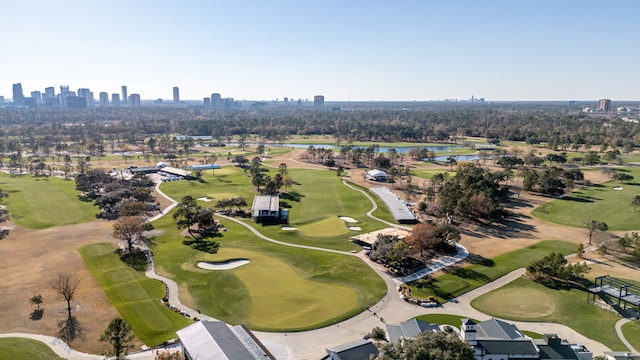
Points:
[(285, 205), (480, 260), (466, 273), (292, 195), (37, 314), (136, 260), (207, 246), (70, 329), (432, 284)]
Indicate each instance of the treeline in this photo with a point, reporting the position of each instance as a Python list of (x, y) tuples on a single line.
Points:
[(558, 126)]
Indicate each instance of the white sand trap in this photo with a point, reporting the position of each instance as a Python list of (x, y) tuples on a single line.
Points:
[(288, 228), (355, 228), (227, 265), (617, 188), (348, 219), (205, 199)]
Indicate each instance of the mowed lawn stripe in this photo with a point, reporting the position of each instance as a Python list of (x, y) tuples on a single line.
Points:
[(39, 202), (135, 296), (19, 348)]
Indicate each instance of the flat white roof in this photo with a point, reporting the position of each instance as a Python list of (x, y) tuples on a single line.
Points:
[(398, 207), (266, 202)]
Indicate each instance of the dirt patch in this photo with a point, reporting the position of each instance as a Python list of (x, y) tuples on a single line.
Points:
[(31, 259)]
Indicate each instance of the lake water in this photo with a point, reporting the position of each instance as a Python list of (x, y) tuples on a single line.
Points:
[(380, 149)]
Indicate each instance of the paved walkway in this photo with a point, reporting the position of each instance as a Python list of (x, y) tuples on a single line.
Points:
[(624, 340)]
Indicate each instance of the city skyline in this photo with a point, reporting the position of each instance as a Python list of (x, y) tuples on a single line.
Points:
[(356, 51)]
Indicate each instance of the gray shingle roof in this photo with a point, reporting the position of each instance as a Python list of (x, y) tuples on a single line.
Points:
[(523, 348), (498, 329)]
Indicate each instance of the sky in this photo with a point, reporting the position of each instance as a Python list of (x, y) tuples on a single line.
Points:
[(348, 50)]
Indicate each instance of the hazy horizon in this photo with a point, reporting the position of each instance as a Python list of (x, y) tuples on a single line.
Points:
[(347, 51)]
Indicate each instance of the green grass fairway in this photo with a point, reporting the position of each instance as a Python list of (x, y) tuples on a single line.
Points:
[(25, 349), (520, 305), (332, 226), (462, 280), (571, 309), (598, 202), (631, 332), (136, 297), (323, 198), (281, 289), (41, 202)]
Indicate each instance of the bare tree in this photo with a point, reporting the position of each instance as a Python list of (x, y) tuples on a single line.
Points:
[(65, 285)]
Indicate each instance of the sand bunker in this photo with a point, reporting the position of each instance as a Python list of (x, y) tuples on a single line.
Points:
[(355, 228), (617, 188), (348, 219), (227, 265), (288, 228), (205, 199)]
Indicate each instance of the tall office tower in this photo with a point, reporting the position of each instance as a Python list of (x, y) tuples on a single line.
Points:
[(134, 100), (125, 97), (216, 101), (88, 95), (176, 95), (64, 94), (37, 95), (18, 96), (49, 96), (104, 99), (115, 99), (229, 103), (318, 102), (604, 105), (207, 102), (1, 100)]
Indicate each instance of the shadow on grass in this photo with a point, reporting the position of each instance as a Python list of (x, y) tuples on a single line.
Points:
[(470, 274), (208, 246), (136, 260), (432, 284), (292, 195), (480, 260)]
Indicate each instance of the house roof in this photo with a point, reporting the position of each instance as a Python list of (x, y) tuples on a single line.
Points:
[(497, 329), (556, 352), (409, 329), (376, 173), (216, 340), (175, 171), (622, 355), (266, 202), (355, 350), (398, 207), (521, 347)]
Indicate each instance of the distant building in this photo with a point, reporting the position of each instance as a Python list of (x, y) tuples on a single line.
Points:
[(64, 94), (18, 95), (30, 102), (207, 102), (76, 102), (88, 95), (134, 100), (38, 96), (1, 100), (125, 97), (318, 102), (229, 103), (50, 97), (115, 99), (216, 101), (604, 105), (176, 94), (104, 99)]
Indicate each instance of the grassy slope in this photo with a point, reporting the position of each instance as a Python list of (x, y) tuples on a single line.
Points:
[(27, 349), (136, 297), (597, 202), (31, 200), (571, 309), (462, 280), (309, 288)]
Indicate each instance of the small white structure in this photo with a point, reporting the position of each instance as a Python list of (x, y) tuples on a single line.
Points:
[(377, 175)]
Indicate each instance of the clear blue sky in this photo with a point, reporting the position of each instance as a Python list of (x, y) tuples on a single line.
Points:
[(345, 50)]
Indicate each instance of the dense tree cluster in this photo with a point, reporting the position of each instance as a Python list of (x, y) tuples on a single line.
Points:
[(196, 219), (428, 345), (115, 196), (389, 250), (472, 193), (554, 267), (551, 180), (427, 236)]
